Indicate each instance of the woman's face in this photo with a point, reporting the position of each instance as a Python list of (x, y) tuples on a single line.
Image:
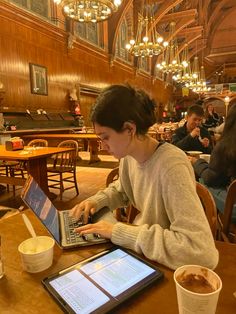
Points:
[(117, 144), (210, 108)]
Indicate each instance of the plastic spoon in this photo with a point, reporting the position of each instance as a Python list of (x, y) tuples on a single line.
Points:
[(31, 231), (29, 226)]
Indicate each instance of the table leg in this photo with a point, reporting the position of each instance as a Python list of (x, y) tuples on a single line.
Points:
[(93, 149), (37, 168)]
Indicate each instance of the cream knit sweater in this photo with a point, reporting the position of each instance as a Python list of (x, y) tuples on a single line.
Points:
[(171, 228)]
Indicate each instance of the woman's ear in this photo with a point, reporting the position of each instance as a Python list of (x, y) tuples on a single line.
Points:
[(130, 126)]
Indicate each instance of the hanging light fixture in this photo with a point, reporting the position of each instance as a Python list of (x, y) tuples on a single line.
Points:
[(198, 83), (171, 62), (89, 10), (184, 76), (148, 41), (201, 86)]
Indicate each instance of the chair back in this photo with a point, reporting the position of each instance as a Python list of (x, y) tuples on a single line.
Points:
[(112, 176), (131, 211), (228, 209), (209, 206), (38, 143), (67, 159)]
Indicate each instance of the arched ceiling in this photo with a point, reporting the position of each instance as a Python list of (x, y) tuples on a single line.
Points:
[(207, 26)]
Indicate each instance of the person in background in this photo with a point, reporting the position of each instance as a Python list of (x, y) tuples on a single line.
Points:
[(155, 177), (212, 119), (192, 136), (221, 169)]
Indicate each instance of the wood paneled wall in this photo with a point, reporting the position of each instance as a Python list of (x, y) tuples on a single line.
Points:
[(25, 38)]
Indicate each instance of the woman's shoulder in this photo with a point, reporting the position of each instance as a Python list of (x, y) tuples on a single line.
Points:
[(168, 147), (171, 154)]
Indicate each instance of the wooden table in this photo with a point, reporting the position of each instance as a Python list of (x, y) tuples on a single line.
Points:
[(93, 141), (22, 292), (36, 164)]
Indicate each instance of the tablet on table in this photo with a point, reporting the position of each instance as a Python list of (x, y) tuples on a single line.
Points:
[(102, 282)]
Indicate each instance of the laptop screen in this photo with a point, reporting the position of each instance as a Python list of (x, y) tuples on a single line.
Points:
[(37, 200)]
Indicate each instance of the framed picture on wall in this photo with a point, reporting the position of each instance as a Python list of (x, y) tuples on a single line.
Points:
[(38, 79)]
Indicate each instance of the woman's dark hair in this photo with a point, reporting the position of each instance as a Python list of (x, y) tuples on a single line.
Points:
[(227, 144), (122, 103)]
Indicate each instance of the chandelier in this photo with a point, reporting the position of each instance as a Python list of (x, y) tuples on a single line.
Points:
[(171, 62), (198, 83), (89, 10), (185, 75), (151, 44)]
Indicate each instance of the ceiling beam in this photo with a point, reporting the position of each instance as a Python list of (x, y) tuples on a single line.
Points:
[(164, 9), (177, 15), (190, 34), (182, 21), (114, 25)]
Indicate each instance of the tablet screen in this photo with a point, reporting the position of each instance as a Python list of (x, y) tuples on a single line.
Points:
[(98, 285)]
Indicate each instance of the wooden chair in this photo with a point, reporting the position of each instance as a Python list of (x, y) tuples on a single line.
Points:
[(122, 214), (11, 169), (81, 142), (209, 206), (38, 142), (227, 234), (19, 169), (64, 166)]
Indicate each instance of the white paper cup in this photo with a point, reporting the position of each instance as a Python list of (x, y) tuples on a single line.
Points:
[(197, 303), (36, 253), (206, 157)]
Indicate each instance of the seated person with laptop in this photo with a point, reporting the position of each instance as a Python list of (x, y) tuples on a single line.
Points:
[(156, 178), (192, 136)]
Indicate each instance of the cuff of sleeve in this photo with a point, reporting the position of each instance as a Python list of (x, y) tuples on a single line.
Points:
[(100, 201), (125, 235)]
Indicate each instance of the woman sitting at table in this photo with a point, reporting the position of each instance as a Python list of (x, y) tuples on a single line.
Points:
[(157, 178), (212, 117), (221, 169)]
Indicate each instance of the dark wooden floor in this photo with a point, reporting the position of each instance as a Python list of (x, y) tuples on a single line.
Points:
[(90, 179)]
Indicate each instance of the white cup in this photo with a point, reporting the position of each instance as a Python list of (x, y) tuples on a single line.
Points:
[(190, 302), (36, 253), (206, 157)]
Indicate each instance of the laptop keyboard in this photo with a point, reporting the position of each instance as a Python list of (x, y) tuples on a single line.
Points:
[(70, 224)]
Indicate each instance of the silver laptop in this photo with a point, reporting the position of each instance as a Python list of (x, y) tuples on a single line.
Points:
[(59, 223)]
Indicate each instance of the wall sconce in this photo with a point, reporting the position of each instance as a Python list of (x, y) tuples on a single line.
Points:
[(226, 100)]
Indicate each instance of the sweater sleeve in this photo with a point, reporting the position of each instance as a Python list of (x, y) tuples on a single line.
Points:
[(202, 170), (188, 239), (113, 197), (211, 173)]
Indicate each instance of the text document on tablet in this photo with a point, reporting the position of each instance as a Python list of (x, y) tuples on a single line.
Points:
[(99, 284)]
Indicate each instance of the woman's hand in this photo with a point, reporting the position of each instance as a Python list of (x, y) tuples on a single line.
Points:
[(103, 228), (205, 142), (192, 159), (84, 208)]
